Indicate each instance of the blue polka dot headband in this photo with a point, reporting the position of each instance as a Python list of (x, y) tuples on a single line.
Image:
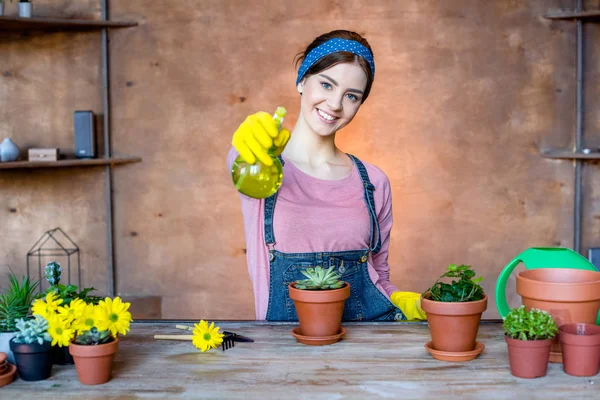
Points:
[(334, 46)]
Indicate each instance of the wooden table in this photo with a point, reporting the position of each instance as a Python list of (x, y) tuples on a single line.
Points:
[(375, 360)]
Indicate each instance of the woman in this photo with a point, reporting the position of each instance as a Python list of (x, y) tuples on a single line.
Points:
[(331, 209)]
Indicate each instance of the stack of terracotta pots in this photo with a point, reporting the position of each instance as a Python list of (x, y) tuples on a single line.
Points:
[(572, 297)]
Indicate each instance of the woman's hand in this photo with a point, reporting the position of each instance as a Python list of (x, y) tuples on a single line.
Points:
[(256, 135), (410, 305)]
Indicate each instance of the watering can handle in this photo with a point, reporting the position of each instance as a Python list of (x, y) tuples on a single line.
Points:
[(501, 302)]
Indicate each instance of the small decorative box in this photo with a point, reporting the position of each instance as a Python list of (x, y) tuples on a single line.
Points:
[(43, 154)]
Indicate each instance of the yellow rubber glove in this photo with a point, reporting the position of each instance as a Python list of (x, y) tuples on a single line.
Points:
[(256, 135), (410, 305)]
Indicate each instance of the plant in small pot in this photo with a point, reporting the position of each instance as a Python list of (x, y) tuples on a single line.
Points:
[(70, 303), (319, 302), (14, 305), (528, 335), (32, 347), (453, 314), (97, 340)]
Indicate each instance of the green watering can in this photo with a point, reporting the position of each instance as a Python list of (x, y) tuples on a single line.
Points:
[(539, 257)]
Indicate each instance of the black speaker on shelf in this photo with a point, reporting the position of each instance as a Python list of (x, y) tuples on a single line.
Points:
[(85, 137)]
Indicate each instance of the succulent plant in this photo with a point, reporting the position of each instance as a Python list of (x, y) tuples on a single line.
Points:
[(93, 337), (32, 331), (319, 279), (15, 302)]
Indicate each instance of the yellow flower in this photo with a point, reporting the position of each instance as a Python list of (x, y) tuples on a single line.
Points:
[(113, 316), (206, 337), (59, 330), (87, 319), (72, 311), (46, 308)]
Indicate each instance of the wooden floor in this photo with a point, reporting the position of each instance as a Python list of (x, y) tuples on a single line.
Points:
[(375, 360)]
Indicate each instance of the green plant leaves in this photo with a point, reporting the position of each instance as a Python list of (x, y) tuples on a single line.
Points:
[(15, 302), (466, 288), (529, 325)]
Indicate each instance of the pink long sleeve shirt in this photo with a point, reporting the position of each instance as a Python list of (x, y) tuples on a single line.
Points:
[(316, 215)]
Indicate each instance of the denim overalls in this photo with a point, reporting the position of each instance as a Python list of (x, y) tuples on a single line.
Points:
[(366, 302)]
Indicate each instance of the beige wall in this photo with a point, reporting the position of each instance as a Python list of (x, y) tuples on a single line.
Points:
[(467, 93)]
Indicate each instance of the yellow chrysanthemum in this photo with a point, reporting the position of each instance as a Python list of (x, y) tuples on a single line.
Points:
[(87, 319), (72, 311), (114, 316), (46, 308), (60, 331), (206, 337)]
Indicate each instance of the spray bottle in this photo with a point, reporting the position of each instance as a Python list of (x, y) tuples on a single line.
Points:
[(259, 180)]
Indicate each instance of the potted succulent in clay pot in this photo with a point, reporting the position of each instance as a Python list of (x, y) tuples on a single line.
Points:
[(14, 305), (528, 335), (580, 349), (32, 347), (69, 301), (454, 311), (319, 300), (96, 343)]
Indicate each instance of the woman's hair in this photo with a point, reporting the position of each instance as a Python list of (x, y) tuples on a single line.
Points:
[(332, 59)]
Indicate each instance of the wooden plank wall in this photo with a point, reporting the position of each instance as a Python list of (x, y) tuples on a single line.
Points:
[(467, 93)]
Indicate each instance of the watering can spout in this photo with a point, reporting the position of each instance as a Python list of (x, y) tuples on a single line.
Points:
[(538, 257)]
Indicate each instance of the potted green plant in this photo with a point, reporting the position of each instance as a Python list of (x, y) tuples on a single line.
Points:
[(97, 341), (319, 300), (32, 349), (454, 311), (14, 304), (69, 300), (528, 335)]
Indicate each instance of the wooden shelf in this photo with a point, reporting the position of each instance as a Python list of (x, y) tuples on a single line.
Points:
[(591, 15), (569, 155), (25, 24), (74, 162)]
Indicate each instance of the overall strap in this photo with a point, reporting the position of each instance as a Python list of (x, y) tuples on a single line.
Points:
[(269, 212), (374, 245)]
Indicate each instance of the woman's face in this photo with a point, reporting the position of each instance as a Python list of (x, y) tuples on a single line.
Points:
[(331, 98)]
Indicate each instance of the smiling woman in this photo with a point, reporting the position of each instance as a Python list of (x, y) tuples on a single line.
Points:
[(332, 209)]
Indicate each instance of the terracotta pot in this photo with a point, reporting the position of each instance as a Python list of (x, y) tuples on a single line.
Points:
[(569, 295), (320, 312), (454, 326), (94, 363), (528, 358), (581, 349)]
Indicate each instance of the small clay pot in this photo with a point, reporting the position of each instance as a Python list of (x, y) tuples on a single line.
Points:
[(94, 362), (320, 312), (581, 349), (528, 358), (454, 326)]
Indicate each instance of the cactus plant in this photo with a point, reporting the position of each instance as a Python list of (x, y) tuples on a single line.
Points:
[(32, 331), (319, 278)]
